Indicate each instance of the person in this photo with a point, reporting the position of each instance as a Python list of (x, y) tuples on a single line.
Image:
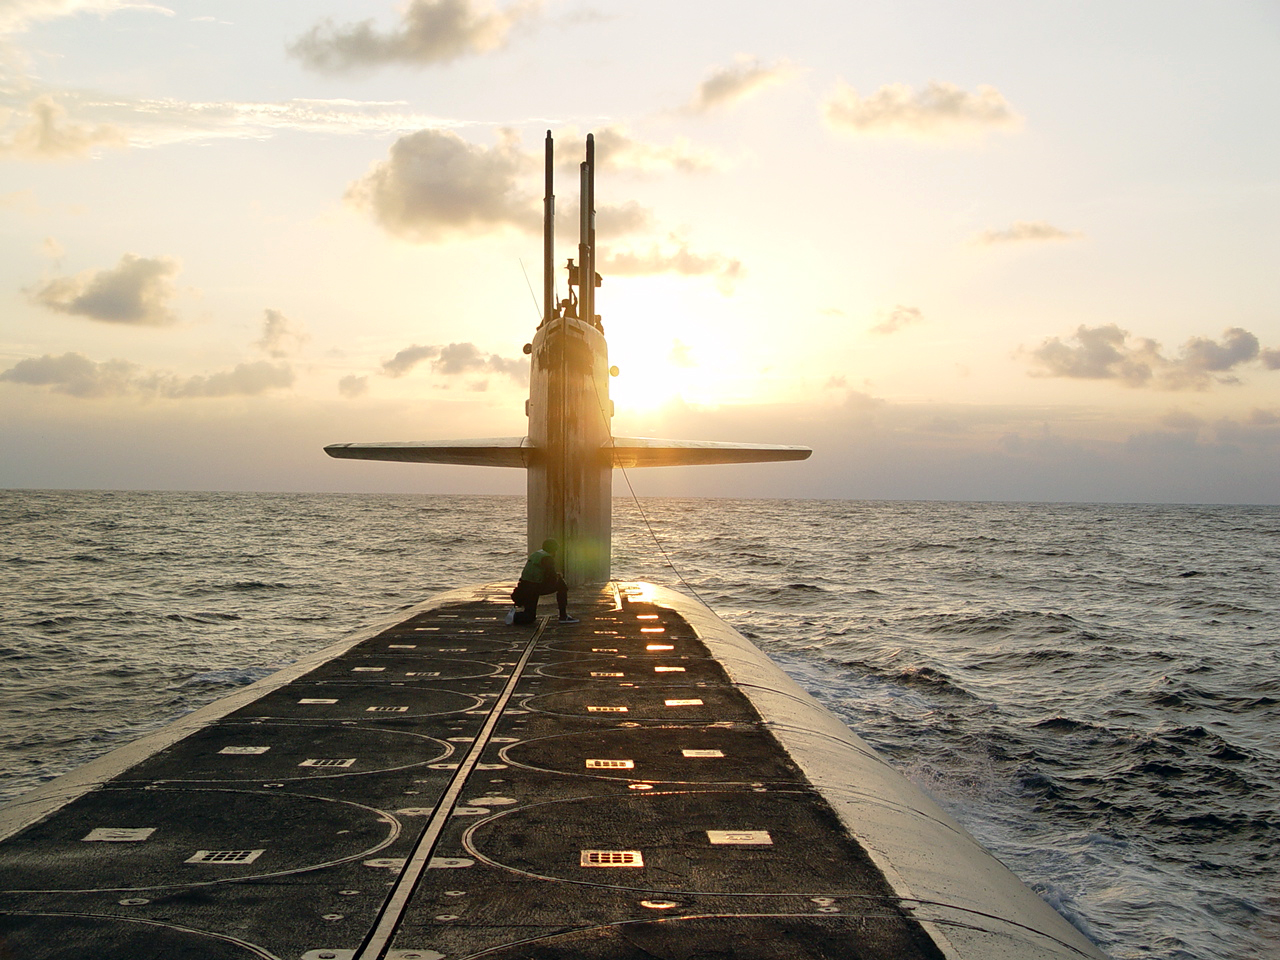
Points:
[(537, 579)]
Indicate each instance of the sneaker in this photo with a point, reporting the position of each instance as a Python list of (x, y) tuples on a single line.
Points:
[(570, 620), (511, 616)]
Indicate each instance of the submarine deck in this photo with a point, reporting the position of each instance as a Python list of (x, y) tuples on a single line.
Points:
[(451, 786)]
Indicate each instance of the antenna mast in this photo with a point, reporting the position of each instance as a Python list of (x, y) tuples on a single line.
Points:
[(549, 237)]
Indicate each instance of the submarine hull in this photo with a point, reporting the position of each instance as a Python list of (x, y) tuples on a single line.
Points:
[(644, 783)]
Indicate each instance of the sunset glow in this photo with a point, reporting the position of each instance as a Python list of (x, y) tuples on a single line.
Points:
[(1007, 252)]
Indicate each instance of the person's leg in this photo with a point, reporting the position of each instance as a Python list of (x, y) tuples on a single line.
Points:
[(527, 600), (562, 597)]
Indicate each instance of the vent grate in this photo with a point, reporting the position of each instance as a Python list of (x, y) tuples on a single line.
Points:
[(225, 856), (611, 764), (611, 858), (602, 673), (386, 709), (244, 751), (327, 762), (606, 709)]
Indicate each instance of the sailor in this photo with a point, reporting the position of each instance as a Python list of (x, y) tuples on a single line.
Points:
[(539, 578)]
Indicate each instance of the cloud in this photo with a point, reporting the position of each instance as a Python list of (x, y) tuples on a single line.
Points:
[(430, 32), (617, 149), (277, 332), (76, 375), (18, 15), (898, 318), (352, 386), (1271, 359), (136, 292), (407, 359), (435, 184), (939, 111), (746, 77), (49, 135), (681, 261), (1202, 359), (146, 122), (1109, 353), (245, 379), (1026, 231), (681, 354), (454, 359)]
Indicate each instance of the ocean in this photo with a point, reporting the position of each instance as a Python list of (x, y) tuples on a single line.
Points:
[(1092, 690)]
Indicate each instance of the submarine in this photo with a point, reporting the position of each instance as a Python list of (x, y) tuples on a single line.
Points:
[(642, 783)]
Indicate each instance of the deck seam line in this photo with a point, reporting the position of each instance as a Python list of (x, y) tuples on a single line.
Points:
[(379, 940)]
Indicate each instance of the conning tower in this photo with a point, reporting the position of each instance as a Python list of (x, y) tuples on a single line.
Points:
[(569, 450)]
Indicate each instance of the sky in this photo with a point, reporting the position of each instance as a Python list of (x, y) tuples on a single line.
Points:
[(983, 251)]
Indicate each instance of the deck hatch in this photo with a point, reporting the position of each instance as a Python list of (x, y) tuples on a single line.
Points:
[(668, 670), (225, 856), (702, 753), (611, 764), (611, 858), (402, 646), (367, 669), (120, 834), (653, 629), (316, 700), (659, 646), (244, 751), (757, 838), (691, 702)]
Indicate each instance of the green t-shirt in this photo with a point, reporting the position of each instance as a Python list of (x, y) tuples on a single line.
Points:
[(533, 569)]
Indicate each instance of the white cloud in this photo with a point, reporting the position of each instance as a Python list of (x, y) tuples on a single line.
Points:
[(1109, 353), (746, 77), (939, 111), (142, 122), (76, 375), (1026, 231), (454, 359), (898, 318), (681, 261), (18, 15), (47, 134), (280, 335), (617, 149), (408, 358), (352, 386), (245, 379), (681, 354), (430, 32), (434, 184), (137, 291)]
